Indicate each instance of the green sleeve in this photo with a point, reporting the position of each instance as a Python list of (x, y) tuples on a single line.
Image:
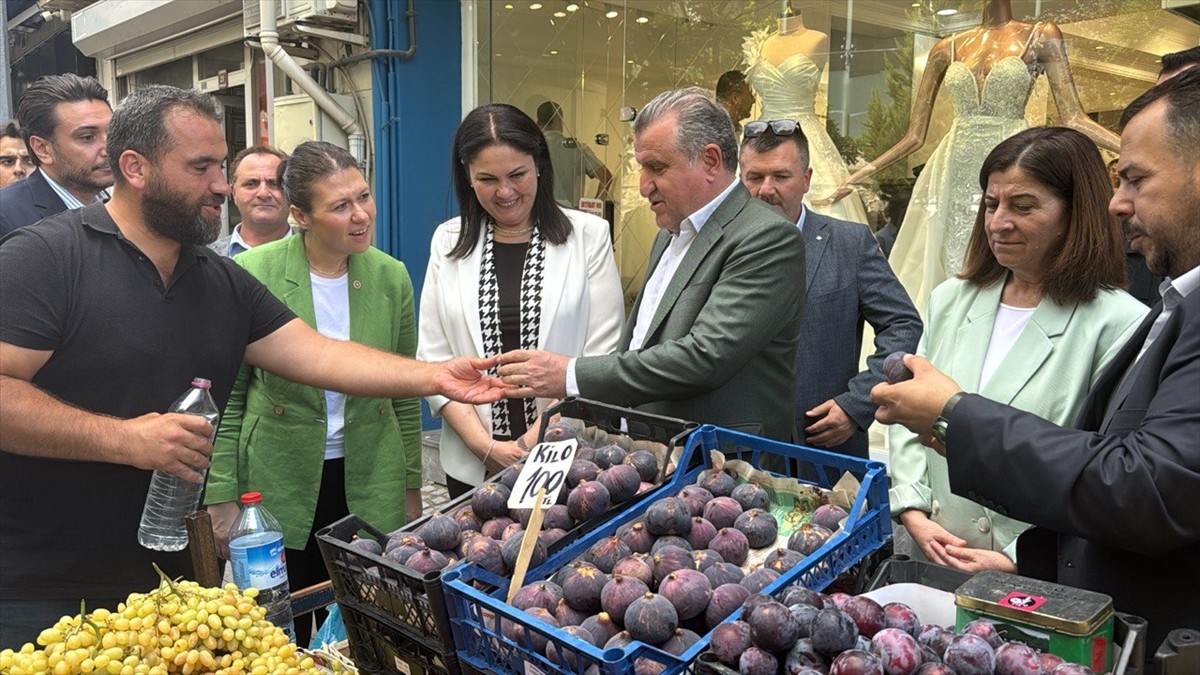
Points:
[(408, 410)]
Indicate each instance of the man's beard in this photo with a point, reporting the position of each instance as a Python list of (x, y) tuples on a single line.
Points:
[(84, 178), (168, 214)]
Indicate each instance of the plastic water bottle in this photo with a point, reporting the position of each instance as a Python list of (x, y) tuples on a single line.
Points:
[(171, 499), (256, 553)]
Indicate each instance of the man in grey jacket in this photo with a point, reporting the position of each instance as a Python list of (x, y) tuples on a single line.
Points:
[(848, 281), (259, 199)]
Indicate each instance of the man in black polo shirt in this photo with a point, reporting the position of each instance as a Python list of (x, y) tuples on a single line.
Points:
[(106, 315)]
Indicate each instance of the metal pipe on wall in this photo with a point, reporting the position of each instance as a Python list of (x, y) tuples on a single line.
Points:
[(269, 37)]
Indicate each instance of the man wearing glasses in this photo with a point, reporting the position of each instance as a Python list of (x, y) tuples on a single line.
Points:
[(712, 335), (847, 281), (64, 120), (14, 156)]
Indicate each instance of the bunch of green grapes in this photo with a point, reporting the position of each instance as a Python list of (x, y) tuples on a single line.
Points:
[(180, 627)]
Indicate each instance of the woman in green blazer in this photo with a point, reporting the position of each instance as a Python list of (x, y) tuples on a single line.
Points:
[(317, 455), (1032, 320)]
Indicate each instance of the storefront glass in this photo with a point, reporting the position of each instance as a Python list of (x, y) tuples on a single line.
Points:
[(853, 66)]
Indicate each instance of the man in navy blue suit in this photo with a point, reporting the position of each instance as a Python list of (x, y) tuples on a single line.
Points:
[(64, 119), (848, 281), (1113, 499)]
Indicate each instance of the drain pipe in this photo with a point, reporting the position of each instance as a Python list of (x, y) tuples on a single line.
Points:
[(268, 36)]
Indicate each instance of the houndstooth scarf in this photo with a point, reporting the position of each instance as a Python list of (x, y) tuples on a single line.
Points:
[(531, 316)]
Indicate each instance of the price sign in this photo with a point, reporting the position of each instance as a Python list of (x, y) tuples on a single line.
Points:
[(545, 468)]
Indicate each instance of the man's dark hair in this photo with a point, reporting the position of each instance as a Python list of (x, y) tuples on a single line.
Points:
[(1182, 94), (1090, 255), (261, 149), (36, 110), (11, 130), (769, 140), (1179, 60), (311, 161), (502, 124), (547, 112), (140, 122), (729, 82)]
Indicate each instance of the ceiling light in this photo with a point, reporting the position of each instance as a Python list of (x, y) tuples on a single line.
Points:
[(508, 6), (612, 14), (948, 11), (535, 5), (643, 19), (553, 52), (916, 5), (572, 7), (560, 14)]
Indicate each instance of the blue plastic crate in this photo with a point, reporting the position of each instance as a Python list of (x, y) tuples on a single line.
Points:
[(412, 604), (475, 599)]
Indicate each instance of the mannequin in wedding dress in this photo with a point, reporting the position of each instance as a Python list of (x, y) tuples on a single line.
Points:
[(988, 72), (784, 68)]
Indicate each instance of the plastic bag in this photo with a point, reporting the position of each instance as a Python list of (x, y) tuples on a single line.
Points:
[(332, 631)]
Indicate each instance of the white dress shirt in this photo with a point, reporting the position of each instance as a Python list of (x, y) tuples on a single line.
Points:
[(660, 279), (69, 200), (1173, 292)]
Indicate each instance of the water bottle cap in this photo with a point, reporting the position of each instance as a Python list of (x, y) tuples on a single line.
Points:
[(252, 498), (201, 382)]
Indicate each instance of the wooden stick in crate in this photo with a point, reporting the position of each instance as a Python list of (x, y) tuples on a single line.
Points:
[(528, 542)]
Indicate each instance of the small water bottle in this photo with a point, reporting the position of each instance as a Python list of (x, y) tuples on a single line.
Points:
[(256, 554), (171, 499)]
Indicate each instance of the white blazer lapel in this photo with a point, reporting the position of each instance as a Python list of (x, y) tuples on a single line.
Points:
[(468, 288), (554, 275)]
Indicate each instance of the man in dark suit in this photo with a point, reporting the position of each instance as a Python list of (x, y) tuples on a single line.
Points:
[(64, 119), (1115, 498), (712, 335), (847, 281)]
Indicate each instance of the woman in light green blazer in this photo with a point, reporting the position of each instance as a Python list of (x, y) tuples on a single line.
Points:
[(1032, 320), (316, 455)]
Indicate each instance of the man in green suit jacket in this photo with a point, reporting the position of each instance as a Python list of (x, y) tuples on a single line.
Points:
[(712, 335)]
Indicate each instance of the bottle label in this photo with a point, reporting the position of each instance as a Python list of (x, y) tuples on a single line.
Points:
[(259, 565)]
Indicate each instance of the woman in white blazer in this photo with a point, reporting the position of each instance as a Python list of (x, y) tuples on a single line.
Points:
[(513, 271)]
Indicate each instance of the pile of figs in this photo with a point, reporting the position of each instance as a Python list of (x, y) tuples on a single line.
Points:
[(808, 633), (486, 532), (671, 575)]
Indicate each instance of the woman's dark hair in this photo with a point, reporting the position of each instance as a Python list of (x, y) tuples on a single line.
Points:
[(1068, 164), (501, 124), (310, 162)]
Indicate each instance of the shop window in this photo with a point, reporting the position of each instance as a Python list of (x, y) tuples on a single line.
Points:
[(595, 57)]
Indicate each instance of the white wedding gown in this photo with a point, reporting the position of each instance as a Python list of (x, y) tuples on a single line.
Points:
[(788, 92)]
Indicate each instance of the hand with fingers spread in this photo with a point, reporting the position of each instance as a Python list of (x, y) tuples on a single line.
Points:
[(931, 537), (171, 442), (534, 373), (832, 426), (464, 379)]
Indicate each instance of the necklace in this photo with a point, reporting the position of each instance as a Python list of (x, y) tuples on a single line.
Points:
[(513, 233), (335, 273)]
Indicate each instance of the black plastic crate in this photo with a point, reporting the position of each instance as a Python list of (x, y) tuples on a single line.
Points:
[(413, 605), (378, 647), (903, 570)]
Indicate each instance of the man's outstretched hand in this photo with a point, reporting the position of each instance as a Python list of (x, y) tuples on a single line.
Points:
[(465, 380)]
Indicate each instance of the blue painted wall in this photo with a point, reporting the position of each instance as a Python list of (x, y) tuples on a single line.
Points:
[(417, 108)]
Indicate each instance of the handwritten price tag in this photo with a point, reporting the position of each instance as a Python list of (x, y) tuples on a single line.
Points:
[(546, 468)]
